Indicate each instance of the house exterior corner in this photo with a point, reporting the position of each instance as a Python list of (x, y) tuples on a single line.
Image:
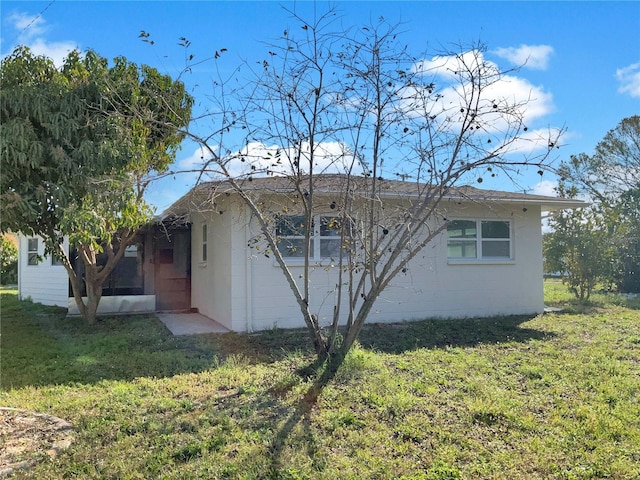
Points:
[(245, 290)]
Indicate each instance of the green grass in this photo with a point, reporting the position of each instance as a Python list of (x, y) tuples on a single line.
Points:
[(553, 396)]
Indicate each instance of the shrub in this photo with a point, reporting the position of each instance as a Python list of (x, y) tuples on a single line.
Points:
[(8, 260)]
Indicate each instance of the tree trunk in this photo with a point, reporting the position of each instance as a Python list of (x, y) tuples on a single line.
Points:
[(87, 310), (96, 276), (93, 283), (94, 294), (76, 286)]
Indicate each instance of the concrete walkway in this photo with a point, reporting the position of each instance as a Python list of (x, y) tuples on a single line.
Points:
[(190, 323)]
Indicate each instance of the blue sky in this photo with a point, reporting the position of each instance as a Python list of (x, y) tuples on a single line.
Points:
[(584, 57)]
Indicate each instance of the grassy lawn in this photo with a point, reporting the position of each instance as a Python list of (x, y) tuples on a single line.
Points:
[(552, 396)]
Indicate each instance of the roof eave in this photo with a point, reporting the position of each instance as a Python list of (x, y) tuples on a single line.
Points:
[(546, 203), (562, 204), (181, 206)]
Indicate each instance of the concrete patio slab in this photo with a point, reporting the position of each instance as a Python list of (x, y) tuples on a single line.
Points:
[(190, 323), (553, 310)]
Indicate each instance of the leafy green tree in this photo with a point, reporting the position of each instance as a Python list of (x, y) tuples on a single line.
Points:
[(610, 178), (79, 147), (626, 225), (8, 260), (615, 167), (579, 248)]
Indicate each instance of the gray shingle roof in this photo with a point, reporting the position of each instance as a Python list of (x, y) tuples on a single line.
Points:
[(336, 183)]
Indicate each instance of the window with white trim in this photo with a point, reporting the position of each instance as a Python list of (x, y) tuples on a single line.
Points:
[(479, 239), (324, 242), (32, 251), (204, 242)]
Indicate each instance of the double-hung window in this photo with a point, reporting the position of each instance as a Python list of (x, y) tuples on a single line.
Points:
[(324, 241), (32, 251), (479, 239)]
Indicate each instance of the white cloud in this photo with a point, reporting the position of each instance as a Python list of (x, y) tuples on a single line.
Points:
[(196, 160), (535, 140), (449, 67), (629, 79), (513, 90), (31, 33), (515, 97), (29, 25), (546, 188), (535, 57), (57, 51), (259, 159)]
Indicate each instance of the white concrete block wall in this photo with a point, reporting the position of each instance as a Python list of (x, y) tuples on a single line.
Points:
[(241, 279), (211, 285), (432, 287)]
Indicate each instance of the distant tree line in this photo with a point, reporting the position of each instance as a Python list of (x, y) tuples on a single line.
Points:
[(600, 244)]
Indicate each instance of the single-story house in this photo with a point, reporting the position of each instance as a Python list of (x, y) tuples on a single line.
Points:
[(488, 261)]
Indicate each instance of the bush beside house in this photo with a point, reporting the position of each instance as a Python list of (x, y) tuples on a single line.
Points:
[(9, 259)]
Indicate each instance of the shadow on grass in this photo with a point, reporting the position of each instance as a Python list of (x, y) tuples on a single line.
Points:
[(595, 306), (406, 336), (41, 346), (402, 337), (396, 339)]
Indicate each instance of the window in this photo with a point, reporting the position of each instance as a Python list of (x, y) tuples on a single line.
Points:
[(32, 251), (204, 242), (479, 239), (56, 260), (324, 242), (290, 233), (127, 278), (330, 230)]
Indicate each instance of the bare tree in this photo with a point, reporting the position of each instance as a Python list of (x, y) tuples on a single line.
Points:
[(349, 123)]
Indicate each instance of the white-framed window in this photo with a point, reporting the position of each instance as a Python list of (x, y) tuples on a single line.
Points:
[(203, 255), (479, 239), (32, 251), (324, 242)]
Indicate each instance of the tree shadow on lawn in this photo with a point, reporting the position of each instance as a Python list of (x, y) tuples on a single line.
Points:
[(407, 336), (40, 346), (58, 350), (597, 305), (441, 333), (396, 339)]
